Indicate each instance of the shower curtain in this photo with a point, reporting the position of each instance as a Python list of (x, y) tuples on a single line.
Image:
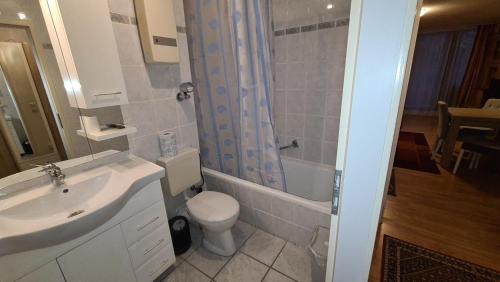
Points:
[(230, 63)]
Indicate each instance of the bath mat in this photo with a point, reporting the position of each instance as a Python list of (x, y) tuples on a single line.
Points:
[(413, 152), (403, 261)]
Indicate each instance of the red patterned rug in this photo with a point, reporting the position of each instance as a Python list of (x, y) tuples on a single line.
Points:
[(407, 262), (413, 152)]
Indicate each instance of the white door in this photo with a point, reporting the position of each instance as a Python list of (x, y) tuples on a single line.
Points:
[(381, 37)]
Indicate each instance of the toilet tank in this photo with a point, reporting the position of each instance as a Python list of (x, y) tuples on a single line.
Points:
[(181, 171)]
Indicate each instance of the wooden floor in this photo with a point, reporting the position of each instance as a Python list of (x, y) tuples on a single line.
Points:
[(455, 215)]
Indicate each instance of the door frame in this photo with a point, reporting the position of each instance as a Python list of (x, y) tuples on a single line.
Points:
[(44, 100), (18, 100), (380, 48)]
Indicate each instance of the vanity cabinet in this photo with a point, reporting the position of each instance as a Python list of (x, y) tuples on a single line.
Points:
[(104, 258), (134, 245), (82, 36)]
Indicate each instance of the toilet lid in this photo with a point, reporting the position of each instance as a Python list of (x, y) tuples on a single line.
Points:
[(212, 206)]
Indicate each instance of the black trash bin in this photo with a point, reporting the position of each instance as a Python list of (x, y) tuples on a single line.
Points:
[(181, 237)]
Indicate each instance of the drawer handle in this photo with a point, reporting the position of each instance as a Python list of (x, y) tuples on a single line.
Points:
[(163, 263), (107, 94), (140, 227), (147, 251)]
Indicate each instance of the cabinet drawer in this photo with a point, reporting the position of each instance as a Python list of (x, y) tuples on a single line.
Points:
[(155, 266), (149, 245), (144, 222)]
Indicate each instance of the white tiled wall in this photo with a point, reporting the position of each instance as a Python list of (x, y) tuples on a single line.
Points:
[(309, 72), (152, 89), (288, 13)]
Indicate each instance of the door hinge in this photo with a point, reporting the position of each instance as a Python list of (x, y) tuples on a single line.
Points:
[(337, 180)]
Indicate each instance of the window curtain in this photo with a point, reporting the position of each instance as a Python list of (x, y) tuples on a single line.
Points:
[(439, 64), (457, 57), (230, 62), (476, 78)]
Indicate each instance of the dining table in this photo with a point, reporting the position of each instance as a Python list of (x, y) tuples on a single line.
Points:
[(470, 117)]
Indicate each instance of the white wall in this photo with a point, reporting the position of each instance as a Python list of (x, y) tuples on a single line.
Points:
[(152, 89)]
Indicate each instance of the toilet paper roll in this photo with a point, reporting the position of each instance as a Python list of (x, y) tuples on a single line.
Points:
[(168, 144)]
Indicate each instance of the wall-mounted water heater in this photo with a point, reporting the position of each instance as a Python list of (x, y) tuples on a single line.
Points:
[(157, 30)]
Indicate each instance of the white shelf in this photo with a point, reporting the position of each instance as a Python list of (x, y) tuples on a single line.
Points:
[(107, 134)]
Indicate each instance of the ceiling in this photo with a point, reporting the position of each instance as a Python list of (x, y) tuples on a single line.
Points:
[(458, 14)]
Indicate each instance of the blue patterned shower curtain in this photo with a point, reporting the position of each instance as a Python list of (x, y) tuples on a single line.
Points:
[(230, 63)]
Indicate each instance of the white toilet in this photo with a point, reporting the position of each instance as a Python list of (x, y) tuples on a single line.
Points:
[(215, 212)]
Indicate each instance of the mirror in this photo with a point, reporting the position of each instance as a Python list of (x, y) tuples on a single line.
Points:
[(37, 123)]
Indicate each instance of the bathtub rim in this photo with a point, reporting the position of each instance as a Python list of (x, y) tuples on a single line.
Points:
[(323, 207), (310, 163)]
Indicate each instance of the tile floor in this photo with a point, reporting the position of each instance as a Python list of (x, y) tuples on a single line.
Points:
[(260, 257)]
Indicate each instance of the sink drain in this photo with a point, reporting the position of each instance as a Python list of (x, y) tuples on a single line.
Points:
[(75, 213)]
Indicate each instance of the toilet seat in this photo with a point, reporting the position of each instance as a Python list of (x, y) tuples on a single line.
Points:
[(213, 208)]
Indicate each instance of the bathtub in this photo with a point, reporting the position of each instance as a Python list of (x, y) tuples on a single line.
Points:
[(292, 216), (308, 180)]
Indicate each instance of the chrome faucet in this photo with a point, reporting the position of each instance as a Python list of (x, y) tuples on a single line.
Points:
[(55, 173)]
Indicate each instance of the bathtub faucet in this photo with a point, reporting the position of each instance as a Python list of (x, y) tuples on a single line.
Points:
[(294, 144)]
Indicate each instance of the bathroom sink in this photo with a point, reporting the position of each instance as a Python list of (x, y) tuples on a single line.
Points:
[(46, 215), (60, 202)]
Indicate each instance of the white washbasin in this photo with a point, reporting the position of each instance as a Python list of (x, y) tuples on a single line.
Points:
[(47, 215), (59, 202)]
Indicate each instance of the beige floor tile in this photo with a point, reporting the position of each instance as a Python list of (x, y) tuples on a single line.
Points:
[(263, 246), (186, 272), (241, 231), (275, 276), (242, 268), (206, 261), (295, 262)]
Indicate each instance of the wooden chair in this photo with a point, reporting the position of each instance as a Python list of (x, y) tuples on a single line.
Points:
[(477, 149), (464, 135), (443, 126), (491, 104)]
